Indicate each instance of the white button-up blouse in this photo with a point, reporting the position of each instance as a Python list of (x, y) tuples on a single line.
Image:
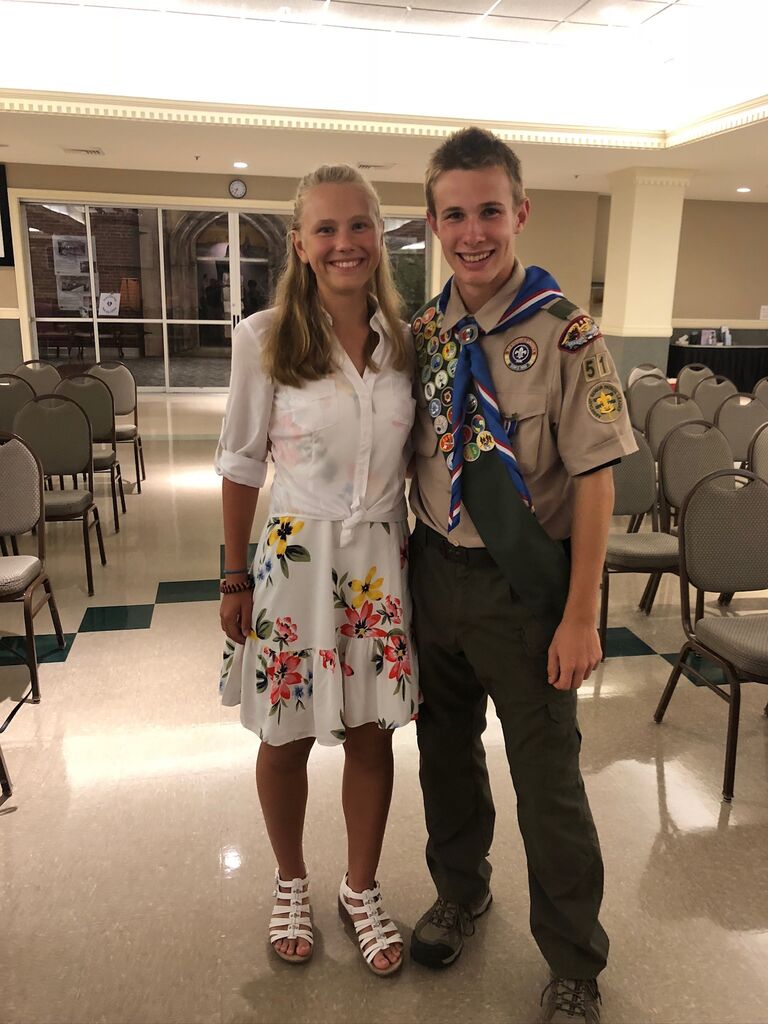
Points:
[(340, 445)]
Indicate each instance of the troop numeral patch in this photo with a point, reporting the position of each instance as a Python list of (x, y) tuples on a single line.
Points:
[(605, 402), (595, 367)]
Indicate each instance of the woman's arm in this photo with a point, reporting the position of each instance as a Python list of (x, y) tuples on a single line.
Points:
[(239, 507)]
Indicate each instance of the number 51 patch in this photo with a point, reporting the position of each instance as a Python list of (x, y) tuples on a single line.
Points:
[(595, 367)]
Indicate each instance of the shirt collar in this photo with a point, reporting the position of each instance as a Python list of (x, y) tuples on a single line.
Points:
[(489, 314), (376, 319)]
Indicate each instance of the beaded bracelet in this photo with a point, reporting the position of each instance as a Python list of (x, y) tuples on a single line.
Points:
[(237, 588)]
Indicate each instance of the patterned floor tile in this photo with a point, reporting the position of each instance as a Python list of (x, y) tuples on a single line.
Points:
[(127, 616), (46, 646), (182, 591), (621, 642), (709, 670)]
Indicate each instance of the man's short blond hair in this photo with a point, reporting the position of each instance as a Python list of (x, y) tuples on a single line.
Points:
[(470, 150)]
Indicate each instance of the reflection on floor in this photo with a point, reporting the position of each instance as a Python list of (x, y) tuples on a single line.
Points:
[(136, 878)]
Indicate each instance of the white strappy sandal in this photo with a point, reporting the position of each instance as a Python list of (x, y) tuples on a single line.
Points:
[(375, 932), (291, 921)]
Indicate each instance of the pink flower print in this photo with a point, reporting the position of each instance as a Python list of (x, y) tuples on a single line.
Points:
[(346, 669), (282, 675), (361, 622), (396, 651), (285, 631), (393, 608), (329, 659)]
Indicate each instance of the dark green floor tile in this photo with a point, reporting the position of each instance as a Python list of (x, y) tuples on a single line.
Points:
[(119, 616), (183, 591), (47, 648), (621, 642), (708, 669), (251, 556)]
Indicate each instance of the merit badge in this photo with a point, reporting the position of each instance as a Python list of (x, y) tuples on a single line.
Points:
[(429, 391), (449, 460), (578, 333), (417, 324), (434, 408), (449, 350), (426, 373), (433, 346), (428, 314), (605, 402), (449, 414), (452, 368), (429, 332), (441, 379), (595, 366), (485, 441), (468, 334), (422, 358), (470, 403), (478, 424), (440, 425), (521, 354), (446, 442), (466, 434), (447, 397), (471, 452), (419, 342), (437, 362)]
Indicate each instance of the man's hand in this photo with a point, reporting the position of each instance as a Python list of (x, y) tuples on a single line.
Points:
[(573, 654)]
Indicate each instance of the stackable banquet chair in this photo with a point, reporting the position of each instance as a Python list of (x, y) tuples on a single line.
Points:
[(641, 395), (95, 399), (757, 453), (760, 391), (690, 375), (718, 523), (644, 370), (58, 431), (41, 376), (666, 413), (122, 384), (710, 393), (14, 392), (739, 417), (23, 578)]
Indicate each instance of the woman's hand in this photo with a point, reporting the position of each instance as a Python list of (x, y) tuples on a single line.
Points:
[(235, 614)]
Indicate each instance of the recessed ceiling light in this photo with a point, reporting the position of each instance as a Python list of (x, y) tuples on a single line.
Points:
[(240, 165), (743, 189)]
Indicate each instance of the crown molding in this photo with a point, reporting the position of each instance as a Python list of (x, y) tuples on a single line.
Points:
[(727, 120)]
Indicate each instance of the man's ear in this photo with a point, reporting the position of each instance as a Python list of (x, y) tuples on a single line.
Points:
[(432, 221), (522, 214)]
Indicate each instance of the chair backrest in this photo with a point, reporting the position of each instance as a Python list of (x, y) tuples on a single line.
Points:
[(687, 454), (710, 393), (760, 391), (634, 480), (718, 520), (95, 399), (690, 375), (739, 417), (21, 489), (757, 455), (644, 370), (668, 412), (121, 383), (14, 392), (58, 432), (42, 377), (641, 396)]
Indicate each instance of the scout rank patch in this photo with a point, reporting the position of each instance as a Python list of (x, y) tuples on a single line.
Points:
[(578, 333), (605, 402), (521, 354)]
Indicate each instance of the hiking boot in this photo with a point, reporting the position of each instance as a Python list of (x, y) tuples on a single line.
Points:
[(571, 1001), (438, 937)]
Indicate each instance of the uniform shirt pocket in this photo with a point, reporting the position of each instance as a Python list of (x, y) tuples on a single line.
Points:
[(529, 410)]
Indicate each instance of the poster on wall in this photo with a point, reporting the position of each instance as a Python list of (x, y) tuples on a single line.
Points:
[(6, 248), (73, 291), (70, 254)]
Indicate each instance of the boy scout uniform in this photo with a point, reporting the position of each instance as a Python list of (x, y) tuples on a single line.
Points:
[(554, 378)]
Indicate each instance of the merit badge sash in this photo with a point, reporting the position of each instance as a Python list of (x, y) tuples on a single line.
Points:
[(475, 440)]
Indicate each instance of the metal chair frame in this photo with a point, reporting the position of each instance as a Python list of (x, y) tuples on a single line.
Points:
[(138, 448), (751, 453)]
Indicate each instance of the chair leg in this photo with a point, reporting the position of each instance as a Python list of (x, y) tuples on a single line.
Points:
[(29, 629), (14, 544), (54, 613), (5, 778), (113, 484), (87, 547), (732, 742), (725, 599), (3, 547), (119, 472), (136, 461), (669, 689), (61, 483), (141, 457), (653, 593), (699, 605), (99, 537), (604, 610)]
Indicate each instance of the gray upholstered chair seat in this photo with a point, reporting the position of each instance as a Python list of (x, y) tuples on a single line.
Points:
[(103, 460), (742, 640), (642, 550), (66, 503), (17, 572), (125, 431)]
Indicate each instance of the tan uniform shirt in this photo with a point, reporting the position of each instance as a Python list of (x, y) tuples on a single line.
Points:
[(565, 396)]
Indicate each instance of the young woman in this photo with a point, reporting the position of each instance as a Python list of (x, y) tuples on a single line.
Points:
[(321, 625)]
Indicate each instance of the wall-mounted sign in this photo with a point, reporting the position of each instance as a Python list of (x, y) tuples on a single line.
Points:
[(6, 248)]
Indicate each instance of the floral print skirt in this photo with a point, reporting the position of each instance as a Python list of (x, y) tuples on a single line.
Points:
[(330, 645)]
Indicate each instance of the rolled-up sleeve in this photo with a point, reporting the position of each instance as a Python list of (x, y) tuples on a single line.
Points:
[(241, 455)]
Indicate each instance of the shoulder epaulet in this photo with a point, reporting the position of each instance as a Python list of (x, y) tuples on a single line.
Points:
[(562, 308), (424, 316)]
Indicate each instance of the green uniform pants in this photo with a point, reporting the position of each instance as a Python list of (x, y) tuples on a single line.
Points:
[(476, 640)]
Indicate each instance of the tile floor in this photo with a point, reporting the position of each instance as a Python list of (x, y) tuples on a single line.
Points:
[(135, 874)]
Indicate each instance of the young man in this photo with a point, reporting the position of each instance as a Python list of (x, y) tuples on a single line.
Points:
[(520, 418)]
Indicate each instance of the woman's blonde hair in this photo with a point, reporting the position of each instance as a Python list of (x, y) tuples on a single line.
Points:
[(299, 343)]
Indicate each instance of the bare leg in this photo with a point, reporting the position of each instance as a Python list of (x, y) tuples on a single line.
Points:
[(281, 780), (366, 793)]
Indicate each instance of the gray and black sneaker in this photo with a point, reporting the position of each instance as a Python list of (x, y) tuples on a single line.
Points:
[(571, 1001), (438, 936)]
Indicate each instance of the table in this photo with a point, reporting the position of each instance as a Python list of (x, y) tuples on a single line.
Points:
[(745, 365)]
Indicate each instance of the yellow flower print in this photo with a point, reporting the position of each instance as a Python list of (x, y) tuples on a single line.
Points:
[(370, 590), (285, 528)]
